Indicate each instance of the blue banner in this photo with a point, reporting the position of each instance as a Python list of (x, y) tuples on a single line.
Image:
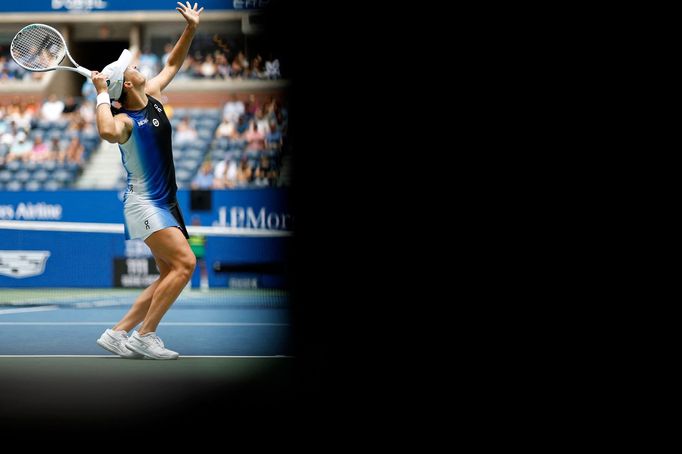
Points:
[(265, 208), (43, 6), (75, 259)]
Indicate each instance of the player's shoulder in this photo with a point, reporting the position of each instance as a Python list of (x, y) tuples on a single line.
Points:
[(154, 94), (122, 116)]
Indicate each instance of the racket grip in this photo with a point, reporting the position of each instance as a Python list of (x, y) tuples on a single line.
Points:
[(84, 72)]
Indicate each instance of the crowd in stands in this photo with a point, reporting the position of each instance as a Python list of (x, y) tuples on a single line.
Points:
[(10, 70), (45, 145), (247, 146), (214, 62), (52, 131), (237, 146)]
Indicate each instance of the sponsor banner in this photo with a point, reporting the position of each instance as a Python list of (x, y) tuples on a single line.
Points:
[(248, 208), (73, 259), (21, 264), (57, 259)]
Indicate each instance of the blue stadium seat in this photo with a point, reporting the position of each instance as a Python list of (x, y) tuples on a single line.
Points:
[(217, 154), (52, 185), (205, 134), (33, 186), (14, 186), (40, 176), (22, 176)]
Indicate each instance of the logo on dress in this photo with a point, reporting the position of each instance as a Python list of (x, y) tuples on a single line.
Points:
[(142, 122), (20, 264), (156, 122), (146, 224), (157, 108)]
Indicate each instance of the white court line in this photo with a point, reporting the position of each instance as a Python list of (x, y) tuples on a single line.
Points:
[(22, 310), (114, 356), (161, 324)]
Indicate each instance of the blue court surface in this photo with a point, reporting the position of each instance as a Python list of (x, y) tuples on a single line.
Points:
[(236, 351), (220, 322)]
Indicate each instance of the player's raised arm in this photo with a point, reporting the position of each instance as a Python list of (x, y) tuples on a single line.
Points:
[(112, 129), (177, 56)]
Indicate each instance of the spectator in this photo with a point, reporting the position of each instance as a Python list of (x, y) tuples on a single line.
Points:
[(204, 178), (223, 67), (185, 132), (254, 138), (87, 112), (239, 65), (225, 174), (40, 151), (70, 106), (260, 179), (233, 109), (208, 69), (273, 140), (256, 70), (74, 151), (20, 150), (227, 129), (57, 152), (262, 123), (244, 173), (272, 68), (20, 114), (10, 135), (52, 109)]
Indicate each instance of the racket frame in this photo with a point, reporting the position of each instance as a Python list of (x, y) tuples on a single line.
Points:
[(78, 69)]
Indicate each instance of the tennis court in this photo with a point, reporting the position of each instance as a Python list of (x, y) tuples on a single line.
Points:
[(232, 344)]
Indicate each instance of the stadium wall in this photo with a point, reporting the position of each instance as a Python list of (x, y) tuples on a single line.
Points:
[(51, 258)]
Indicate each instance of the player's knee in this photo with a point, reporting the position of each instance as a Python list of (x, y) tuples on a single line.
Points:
[(187, 265)]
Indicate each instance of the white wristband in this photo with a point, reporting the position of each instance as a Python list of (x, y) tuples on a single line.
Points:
[(103, 98)]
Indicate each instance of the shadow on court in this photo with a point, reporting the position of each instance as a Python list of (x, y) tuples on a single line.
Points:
[(65, 394)]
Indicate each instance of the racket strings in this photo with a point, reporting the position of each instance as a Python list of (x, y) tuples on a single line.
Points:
[(38, 48)]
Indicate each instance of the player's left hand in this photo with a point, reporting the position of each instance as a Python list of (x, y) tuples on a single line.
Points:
[(190, 14)]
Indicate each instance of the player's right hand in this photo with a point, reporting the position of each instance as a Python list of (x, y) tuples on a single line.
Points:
[(100, 81)]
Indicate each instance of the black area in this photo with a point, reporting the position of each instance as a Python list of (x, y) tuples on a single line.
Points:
[(134, 273), (200, 200), (95, 55), (94, 405)]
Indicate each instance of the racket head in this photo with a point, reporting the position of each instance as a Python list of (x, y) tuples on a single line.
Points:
[(38, 47)]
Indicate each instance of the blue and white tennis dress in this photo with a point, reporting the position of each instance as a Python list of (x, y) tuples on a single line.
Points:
[(150, 203)]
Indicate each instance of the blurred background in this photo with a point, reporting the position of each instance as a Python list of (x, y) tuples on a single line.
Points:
[(66, 271), (229, 109)]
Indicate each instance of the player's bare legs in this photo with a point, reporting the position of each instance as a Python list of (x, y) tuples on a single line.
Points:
[(171, 247), (141, 306)]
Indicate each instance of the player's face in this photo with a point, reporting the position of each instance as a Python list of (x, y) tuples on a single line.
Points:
[(134, 76)]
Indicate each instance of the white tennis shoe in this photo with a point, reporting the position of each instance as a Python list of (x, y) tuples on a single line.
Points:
[(149, 345), (114, 341)]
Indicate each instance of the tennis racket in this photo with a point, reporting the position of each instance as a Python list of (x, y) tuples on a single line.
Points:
[(39, 47)]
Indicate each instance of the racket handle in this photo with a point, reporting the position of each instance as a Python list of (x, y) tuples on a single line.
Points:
[(84, 72)]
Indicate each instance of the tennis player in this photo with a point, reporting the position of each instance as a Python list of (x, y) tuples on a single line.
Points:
[(151, 210)]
